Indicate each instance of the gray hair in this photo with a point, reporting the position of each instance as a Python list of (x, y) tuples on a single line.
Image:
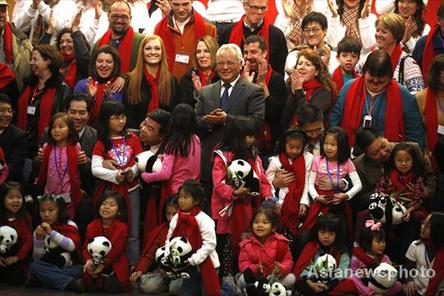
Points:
[(234, 48)]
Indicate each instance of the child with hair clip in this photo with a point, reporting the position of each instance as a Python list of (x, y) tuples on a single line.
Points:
[(232, 207), (425, 254), (56, 248), (15, 262), (112, 273), (199, 229), (293, 199), (265, 254), (146, 273), (365, 258), (114, 164), (333, 164), (325, 238), (59, 172)]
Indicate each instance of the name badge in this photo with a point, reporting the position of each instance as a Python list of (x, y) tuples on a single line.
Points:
[(31, 110), (182, 58), (440, 129)]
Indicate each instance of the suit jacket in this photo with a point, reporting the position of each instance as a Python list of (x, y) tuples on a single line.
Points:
[(246, 99), (14, 142)]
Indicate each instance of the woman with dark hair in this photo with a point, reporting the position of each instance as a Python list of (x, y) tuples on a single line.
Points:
[(74, 48), (44, 95), (415, 26), (309, 84), (375, 99), (104, 69), (430, 104)]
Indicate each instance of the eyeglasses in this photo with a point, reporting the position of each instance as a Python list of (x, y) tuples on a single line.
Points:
[(257, 8), (314, 30), (223, 63), (123, 17)]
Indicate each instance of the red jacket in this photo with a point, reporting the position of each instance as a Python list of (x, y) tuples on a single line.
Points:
[(117, 233), (275, 249), (156, 239)]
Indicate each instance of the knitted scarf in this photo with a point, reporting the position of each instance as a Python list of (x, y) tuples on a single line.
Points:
[(237, 32), (396, 54), (70, 70), (125, 48), (99, 98), (152, 83), (431, 123), (6, 76), (338, 77), (8, 43), (298, 11), (429, 52)]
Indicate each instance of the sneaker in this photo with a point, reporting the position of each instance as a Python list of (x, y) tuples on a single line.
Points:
[(76, 286)]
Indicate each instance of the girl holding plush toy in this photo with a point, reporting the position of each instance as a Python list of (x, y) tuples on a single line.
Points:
[(190, 222), (56, 248), (233, 206), (265, 253), (111, 275), (14, 263)]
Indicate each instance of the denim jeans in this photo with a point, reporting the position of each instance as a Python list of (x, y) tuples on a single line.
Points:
[(55, 277), (133, 242)]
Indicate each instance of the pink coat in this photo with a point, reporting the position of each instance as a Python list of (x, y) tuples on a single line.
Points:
[(223, 193), (252, 252)]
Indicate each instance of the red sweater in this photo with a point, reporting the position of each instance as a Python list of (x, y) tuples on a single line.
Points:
[(156, 239)]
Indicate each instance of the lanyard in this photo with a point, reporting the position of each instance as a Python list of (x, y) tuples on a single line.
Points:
[(335, 189), (35, 93), (61, 177), (372, 103), (120, 155)]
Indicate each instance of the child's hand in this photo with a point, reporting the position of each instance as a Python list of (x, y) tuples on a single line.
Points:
[(314, 286), (410, 288), (323, 199), (303, 209), (339, 197), (81, 159), (260, 269), (46, 228), (2, 262), (40, 233), (98, 270), (120, 176), (11, 260), (129, 174), (88, 267), (407, 215), (40, 154), (277, 269), (241, 191), (109, 164), (135, 276)]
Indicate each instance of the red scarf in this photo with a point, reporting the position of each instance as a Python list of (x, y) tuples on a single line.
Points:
[(164, 31), (205, 79), (354, 103), (431, 123), (125, 48), (338, 77), (237, 32), (73, 172), (6, 76), (98, 99), (290, 207), (187, 226), (429, 52), (370, 262), (438, 267), (8, 43), (309, 88), (45, 107), (71, 232), (399, 182), (70, 70), (308, 254), (152, 83), (396, 54)]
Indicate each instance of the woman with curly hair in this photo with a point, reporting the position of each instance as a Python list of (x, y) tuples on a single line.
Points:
[(150, 85), (309, 83)]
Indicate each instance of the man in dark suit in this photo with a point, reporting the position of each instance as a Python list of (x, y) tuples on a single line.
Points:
[(231, 96)]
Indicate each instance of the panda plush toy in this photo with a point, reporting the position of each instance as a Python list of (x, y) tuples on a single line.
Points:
[(385, 209), (277, 289), (98, 247), (383, 278), (173, 258), (241, 173), (55, 254), (325, 266), (8, 241), (147, 161)]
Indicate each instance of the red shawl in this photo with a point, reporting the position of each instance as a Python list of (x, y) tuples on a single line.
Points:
[(308, 254), (45, 107), (6, 76), (290, 207), (71, 232), (438, 267), (205, 79), (393, 118), (396, 54), (399, 182), (237, 32), (187, 226), (164, 31), (370, 262), (152, 83), (73, 172), (431, 123), (117, 233), (429, 52), (125, 48), (8, 43), (338, 77), (309, 88), (98, 99), (70, 70)]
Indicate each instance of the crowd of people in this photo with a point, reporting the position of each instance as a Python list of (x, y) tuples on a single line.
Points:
[(273, 138)]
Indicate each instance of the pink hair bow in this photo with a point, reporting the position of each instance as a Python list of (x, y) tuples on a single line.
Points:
[(374, 226)]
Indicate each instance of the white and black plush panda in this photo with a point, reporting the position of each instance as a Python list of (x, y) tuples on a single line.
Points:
[(382, 278), (240, 173), (147, 161), (174, 260), (98, 247), (385, 209), (8, 239), (277, 289), (325, 266), (55, 254)]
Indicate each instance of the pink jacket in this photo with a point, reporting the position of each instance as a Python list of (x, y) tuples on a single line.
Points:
[(252, 253), (223, 193), (357, 264)]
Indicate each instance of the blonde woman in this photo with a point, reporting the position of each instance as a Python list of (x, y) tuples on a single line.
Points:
[(150, 85)]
